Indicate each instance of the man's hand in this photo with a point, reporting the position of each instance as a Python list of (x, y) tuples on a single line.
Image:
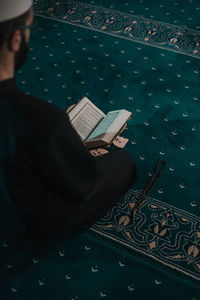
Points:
[(124, 127), (120, 141), (99, 151), (70, 108)]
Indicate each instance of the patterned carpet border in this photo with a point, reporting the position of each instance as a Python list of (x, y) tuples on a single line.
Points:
[(160, 231), (175, 38)]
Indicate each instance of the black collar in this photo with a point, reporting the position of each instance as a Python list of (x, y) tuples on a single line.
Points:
[(8, 84)]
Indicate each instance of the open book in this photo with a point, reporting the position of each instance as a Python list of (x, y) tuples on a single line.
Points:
[(94, 127)]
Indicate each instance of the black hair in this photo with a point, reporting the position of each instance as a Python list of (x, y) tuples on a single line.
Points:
[(8, 28)]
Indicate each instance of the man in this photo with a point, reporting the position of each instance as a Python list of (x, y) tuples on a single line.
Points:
[(55, 183)]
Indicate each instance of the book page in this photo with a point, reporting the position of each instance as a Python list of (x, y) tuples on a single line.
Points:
[(111, 124), (119, 121), (85, 117), (103, 125), (76, 110)]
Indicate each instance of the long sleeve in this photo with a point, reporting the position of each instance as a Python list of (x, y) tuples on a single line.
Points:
[(66, 164)]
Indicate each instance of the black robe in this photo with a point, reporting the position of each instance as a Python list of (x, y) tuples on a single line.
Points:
[(48, 173)]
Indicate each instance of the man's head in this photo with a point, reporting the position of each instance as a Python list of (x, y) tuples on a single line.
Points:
[(14, 35)]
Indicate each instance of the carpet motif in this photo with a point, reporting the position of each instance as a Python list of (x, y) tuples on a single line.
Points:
[(160, 231), (180, 39)]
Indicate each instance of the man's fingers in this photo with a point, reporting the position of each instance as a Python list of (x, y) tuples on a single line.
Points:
[(70, 108), (99, 151), (94, 152), (122, 128), (120, 141)]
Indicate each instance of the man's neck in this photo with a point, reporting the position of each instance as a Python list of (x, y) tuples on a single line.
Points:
[(6, 76), (6, 67)]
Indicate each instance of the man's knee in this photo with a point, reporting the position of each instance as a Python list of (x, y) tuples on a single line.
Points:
[(131, 168)]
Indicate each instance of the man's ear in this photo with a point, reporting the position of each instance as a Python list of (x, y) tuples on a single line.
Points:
[(15, 41)]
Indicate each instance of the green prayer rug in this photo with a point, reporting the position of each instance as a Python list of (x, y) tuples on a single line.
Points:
[(142, 56)]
